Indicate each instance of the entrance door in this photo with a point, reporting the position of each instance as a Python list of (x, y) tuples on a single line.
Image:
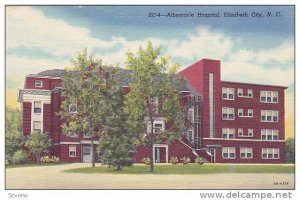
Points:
[(160, 154), (213, 153), (87, 154)]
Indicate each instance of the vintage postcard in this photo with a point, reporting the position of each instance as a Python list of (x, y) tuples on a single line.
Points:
[(150, 97)]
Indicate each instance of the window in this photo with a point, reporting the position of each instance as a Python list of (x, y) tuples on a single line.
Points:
[(37, 107), (250, 112), (73, 135), (269, 134), (250, 132), (269, 97), (155, 104), (191, 114), (72, 108), (228, 152), (228, 113), (240, 112), (228, 133), (38, 83), (190, 135), (270, 153), (158, 127), (250, 93), (240, 132), (240, 92), (228, 93), (246, 152), (37, 126), (72, 151), (269, 116)]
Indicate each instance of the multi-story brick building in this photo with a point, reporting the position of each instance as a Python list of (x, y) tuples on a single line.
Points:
[(226, 122)]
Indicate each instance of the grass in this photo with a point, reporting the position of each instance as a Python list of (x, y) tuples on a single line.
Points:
[(190, 169), (32, 165)]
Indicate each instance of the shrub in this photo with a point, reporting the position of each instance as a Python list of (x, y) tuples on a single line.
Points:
[(146, 161), (49, 159), (174, 160), (199, 160), (19, 157), (6, 162), (185, 160)]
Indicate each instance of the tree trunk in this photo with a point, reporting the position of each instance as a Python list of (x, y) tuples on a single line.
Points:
[(119, 167), (92, 154), (38, 158), (151, 149)]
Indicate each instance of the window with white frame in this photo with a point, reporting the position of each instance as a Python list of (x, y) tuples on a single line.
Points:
[(269, 116), (190, 135), (37, 107), (38, 83), (250, 93), (269, 97), (250, 132), (228, 152), (72, 108), (227, 113), (228, 133), (228, 93), (246, 152), (270, 153), (241, 132), (158, 127), (73, 134), (250, 112), (240, 112), (72, 151), (155, 104), (191, 114), (240, 92), (269, 134), (37, 126)]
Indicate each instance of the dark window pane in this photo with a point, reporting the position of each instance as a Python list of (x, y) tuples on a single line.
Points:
[(269, 118), (263, 137), (270, 155), (225, 155), (249, 155), (276, 156), (275, 99), (231, 155), (230, 116), (275, 119), (264, 155), (268, 99), (230, 96), (263, 118), (243, 155), (263, 99), (224, 95)]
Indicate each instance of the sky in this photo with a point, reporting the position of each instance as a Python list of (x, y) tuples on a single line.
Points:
[(251, 49)]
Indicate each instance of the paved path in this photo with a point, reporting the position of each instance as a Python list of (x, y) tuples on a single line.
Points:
[(52, 177)]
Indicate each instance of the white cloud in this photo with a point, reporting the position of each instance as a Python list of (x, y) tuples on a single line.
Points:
[(31, 28), (205, 43), (19, 67), (255, 73)]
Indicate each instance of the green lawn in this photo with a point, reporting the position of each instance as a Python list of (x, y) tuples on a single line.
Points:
[(190, 169)]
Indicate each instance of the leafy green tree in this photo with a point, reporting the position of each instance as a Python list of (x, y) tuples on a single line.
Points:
[(84, 92), (290, 150), (151, 77), (13, 135), (115, 144), (37, 143)]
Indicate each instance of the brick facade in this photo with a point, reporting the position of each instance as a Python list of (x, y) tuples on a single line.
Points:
[(216, 128)]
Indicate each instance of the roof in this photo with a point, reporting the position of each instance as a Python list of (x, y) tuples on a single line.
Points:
[(125, 81)]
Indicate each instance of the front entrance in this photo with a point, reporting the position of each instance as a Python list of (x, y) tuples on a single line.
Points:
[(87, 154), (213, 153), (160, 154)]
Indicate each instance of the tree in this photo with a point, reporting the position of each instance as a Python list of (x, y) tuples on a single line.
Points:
[(290, 150), (115, 144), (154, 92), (13, 135), (84, 92), (37, 143)]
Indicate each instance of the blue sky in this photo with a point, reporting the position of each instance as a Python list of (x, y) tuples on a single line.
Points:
[(255, 50), (43, 37)]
